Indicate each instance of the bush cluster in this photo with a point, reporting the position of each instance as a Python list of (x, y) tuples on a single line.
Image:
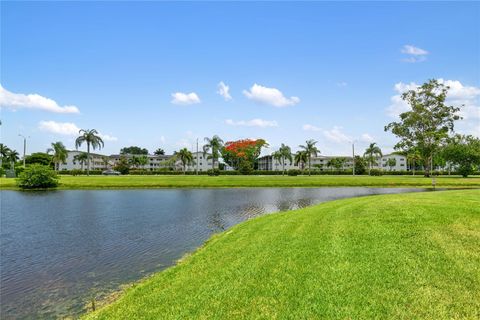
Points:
[(37, 176)]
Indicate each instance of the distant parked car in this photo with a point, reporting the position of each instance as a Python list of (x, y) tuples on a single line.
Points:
[(110, 172)]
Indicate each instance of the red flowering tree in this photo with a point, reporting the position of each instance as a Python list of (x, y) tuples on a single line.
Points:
[(242, 153)]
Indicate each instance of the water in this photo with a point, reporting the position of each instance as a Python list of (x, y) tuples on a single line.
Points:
[(59, 249)]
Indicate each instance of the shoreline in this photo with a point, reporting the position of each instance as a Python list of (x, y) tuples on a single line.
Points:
[(113, 298)]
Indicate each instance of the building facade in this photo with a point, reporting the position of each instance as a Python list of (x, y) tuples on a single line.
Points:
[(324, 163)]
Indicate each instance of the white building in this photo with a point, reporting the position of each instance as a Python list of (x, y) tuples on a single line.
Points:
[(323, 163), (201, 162), (97, 162)]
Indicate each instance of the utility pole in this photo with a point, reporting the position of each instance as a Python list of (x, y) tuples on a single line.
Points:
[(24, 147), (197, 160), (353, 157)]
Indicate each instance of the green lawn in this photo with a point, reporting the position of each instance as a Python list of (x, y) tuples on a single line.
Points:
[(408, 256), (113, 182)]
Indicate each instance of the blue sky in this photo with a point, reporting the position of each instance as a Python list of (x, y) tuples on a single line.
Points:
[(294, 71)]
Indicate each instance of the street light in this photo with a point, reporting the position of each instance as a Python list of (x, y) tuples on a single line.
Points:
[(353, 156), (24, 146)]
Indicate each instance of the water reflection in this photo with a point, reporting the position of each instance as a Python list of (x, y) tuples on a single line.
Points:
[(59, 249)]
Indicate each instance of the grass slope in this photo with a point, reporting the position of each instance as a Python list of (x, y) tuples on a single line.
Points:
[(406, 256), (121, 182)]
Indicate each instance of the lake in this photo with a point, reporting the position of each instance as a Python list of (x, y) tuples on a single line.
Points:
[(60, 249)]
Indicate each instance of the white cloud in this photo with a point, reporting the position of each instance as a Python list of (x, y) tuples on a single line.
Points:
[(106, 137), (223, 90), (15, 101), (409, 49), (309, 127), (181, 98), (366, 138), (342, 84), (67, 129), (271, 96), (458, 95), (336, 135), (62, 128), (415, 54), (253, 123)]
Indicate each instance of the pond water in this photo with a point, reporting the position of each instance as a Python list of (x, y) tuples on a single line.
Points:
[(60, 249)]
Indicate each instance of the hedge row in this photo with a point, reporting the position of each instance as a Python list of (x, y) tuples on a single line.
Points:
[(291, 172)]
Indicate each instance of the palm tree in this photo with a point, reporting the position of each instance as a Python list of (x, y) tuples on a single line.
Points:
[(106, 161), (371, 154), (91, 138), (310, 149), (185, 157), (214, 144), (13, 156), (82, 158), (143, 161), (414, 157), (59, 155), (284, 153), (301, 157), (4, 152)]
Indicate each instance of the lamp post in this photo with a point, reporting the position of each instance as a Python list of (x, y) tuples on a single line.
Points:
[(24, 147), (353, 156)]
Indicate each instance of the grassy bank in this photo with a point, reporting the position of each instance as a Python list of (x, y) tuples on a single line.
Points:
[(403, 256), (123, 182)]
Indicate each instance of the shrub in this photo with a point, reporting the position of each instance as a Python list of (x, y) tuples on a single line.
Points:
[(76, 172), (376, 172), (465, 169), (2, 172), (37, 176), (245, 167), (213, 172), (294, 172)]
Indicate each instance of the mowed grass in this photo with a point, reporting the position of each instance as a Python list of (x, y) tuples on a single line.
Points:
[(408, 256), (162, 181)]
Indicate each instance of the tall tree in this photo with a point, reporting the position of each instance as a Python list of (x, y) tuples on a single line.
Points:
[(82, 158), (301, 157), (414, 157), (371, 154), (106, 161), (92, 139), (282, 154), (311, 150), (59, 154), (215, 145), (133, 150), (463, 152), (391, 162), (185, 157), (427, 125), (159, 152), (4, 152)]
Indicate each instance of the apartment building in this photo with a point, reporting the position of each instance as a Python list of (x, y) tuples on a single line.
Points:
[(323, 163), (97, 162)]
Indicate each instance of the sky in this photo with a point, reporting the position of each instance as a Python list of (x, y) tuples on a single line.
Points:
[(162, 74)]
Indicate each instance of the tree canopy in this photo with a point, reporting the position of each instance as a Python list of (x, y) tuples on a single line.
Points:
[(136, 150), (463, 152), (427, 125)]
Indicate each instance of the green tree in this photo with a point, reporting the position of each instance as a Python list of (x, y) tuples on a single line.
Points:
[(185, 157), (122, 165), (463, 152), (82, 158), (215, 145), (311, 150), (159, 152), (360, 165), (134, 150), (143, 161), (106, 161), (39, 158), (427, 125), (414, 157), (284, 153), (4, 152), (13, 157), (92, 139), (300, 159), (391, 162), (371, 154), (59, 154)]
